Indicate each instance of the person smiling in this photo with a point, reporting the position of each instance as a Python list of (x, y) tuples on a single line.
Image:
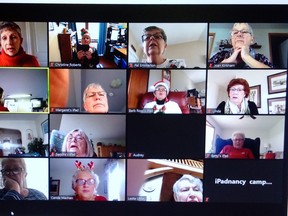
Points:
[(12, 53), (238, 92), (236, 150), (241, 54), (154, 41), (95, 99), (77, 142)]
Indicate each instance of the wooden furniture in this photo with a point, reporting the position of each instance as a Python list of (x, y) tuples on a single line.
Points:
[(109, 150), (64, 41)]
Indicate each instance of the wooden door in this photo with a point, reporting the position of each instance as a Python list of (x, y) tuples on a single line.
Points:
[(138, 82)]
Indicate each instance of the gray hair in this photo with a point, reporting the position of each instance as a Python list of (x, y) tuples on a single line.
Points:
[(11, 26), (249, 27), (90, 150), (191, 179), (238, 133), (94, 176), (91, 85), (21, 161), (150, 28)]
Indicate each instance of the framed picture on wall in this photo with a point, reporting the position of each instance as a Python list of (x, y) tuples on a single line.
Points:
[(255, 95), (54, 187), (277, 82), (44, 127), (166, 77), (276, 105)]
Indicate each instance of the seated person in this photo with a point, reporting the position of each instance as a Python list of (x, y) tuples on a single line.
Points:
[(237, 150), (95, 99), (188, 189), (77, 142), (154, 41), (85, 183), (161, 103), (2, 108), (14, 180), (238, 92), (241, 54), (86, 55), (12, 53)]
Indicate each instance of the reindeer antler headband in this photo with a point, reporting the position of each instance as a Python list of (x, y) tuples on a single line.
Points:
[(81, 167)]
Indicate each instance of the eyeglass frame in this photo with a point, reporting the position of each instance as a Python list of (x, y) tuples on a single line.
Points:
[(236, 89), (4, 171), (155, 36), (85, 181), (242, 31), (70, 137), (100, 94)]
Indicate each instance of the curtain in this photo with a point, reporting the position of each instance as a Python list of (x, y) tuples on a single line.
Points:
[(102, 38)]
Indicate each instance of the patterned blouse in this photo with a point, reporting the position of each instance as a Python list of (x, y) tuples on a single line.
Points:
[(215, 61)]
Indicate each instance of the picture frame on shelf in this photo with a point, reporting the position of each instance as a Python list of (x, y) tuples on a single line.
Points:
[(277, 83), (276, 105), (255, 95)]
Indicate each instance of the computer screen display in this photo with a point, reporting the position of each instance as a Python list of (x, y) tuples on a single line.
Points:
[(143, 109)]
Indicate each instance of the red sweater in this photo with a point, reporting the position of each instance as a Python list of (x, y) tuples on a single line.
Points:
[(237, 153), (21, 59)]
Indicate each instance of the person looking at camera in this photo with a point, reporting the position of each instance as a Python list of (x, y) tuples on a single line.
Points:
[(12, 53), (241, 54), (14, 174), (95, 99)]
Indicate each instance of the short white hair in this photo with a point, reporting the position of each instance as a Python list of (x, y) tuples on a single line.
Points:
[(238, 133), (91, 85), (94, 176), (191, 179)]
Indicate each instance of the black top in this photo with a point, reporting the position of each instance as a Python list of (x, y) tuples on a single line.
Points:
[(252, 107)]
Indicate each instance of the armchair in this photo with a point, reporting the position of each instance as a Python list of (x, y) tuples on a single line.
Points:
[(252, 144), (179, 97)]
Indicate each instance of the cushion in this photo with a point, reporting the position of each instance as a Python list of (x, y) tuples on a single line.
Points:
[(252, 144)]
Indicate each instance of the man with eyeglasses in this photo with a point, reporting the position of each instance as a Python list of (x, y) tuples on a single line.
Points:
[(14, 180), (241, 55), (161, 104), (236, 151), (85, 183), (154, 42), (95, 99)]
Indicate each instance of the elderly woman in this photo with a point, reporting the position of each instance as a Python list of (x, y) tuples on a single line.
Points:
[(237, 150), (188, 189), (12, 53), (241, 55), (77, 143), (95, 99), (86, 55), (85, 183), (14, 180), (238, 92), (161, 103), (154, 41)]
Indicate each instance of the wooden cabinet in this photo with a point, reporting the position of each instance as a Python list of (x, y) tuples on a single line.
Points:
[(109, 151), (64, 41)]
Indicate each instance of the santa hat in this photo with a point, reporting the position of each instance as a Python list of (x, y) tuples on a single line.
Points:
[(157, 84), (84, 32)]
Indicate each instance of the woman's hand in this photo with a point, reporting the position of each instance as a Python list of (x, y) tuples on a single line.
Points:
[(88, 55), (81, 54), (11, 184), (233, 57)]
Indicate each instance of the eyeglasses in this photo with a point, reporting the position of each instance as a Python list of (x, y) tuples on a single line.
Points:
[(147, 37), (185, 189), (236, 89), (83, 181), (161, 89), (14, 171), (78, 138), (100, 94), (238, 140), (242, 31)]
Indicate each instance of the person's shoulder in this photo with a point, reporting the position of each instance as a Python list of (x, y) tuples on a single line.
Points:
[(36, 194), (253, 107), (100, 198)]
